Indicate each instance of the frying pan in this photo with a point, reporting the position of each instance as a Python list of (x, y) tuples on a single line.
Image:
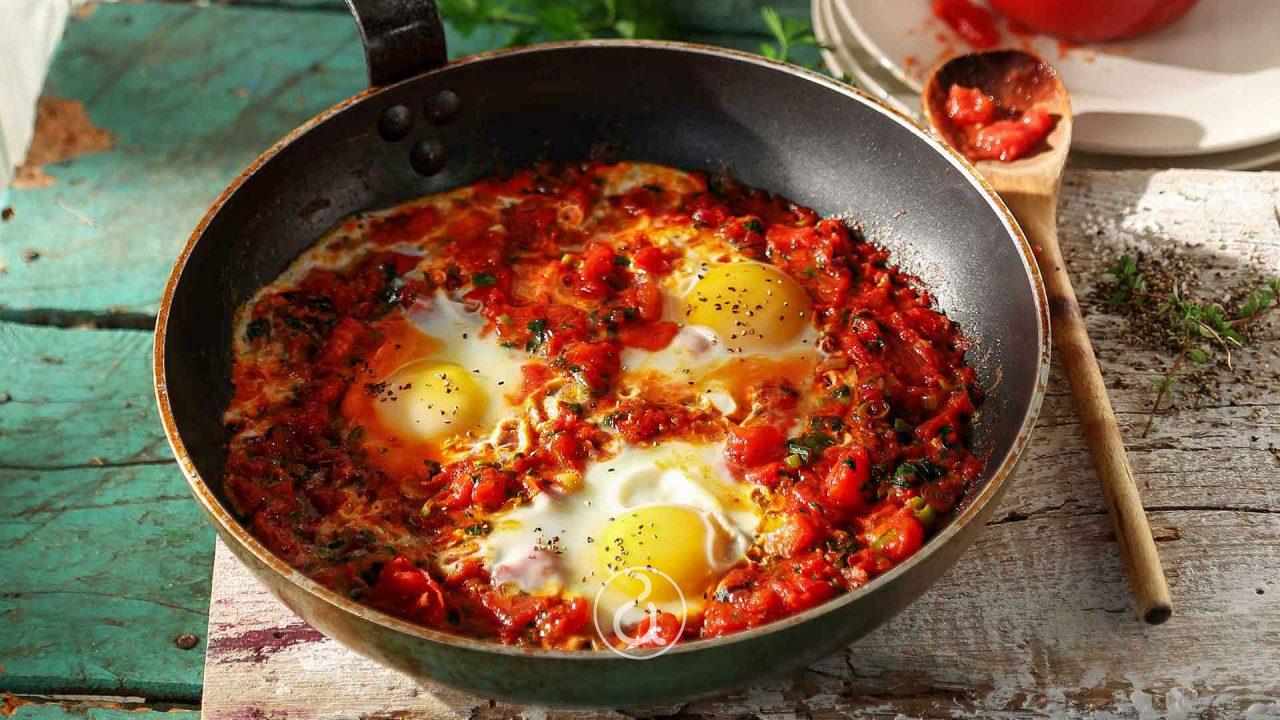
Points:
[(426, 126)]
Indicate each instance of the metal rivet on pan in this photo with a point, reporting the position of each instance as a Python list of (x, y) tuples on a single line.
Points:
[(443, 107), (395, 123), (426, 157)]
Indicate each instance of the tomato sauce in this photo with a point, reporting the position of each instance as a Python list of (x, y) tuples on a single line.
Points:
[(991, 131), (568, 275), (974, 24)]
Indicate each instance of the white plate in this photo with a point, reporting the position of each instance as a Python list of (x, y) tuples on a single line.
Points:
[(1209, 83), (845, 57)]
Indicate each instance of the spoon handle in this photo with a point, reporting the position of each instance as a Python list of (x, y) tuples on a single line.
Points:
[(1119, 491)]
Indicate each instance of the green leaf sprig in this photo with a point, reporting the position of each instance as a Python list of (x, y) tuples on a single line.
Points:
[(544, 20), (788, 34)]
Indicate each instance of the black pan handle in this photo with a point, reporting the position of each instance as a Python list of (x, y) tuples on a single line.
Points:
[(402, 38)]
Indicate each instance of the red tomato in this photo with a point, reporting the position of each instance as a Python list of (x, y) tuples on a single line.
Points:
[(593, 364), (705, 210), (565, 621), (535, 376), (1012, 139), (750, 446), (1093, 20), (564, 451), (406, 589), (652, 260), (722, 618), (846, 478), (492, 488), (514, 613), (565, 324), (801, 593), (768, 475), (272, 526), (658, 630), (484, 487), (970, 106), (651, 337), (598, 273), (325, 499), (797, 534), (898, 537)]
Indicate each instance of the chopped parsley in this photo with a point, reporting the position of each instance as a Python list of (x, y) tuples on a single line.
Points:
[(478, 529), (809, 446), (539, 329), (914, 472)]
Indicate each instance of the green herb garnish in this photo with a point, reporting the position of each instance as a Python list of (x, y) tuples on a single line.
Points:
[(539, 329), (809, 446), (912, 473), (478, 529)]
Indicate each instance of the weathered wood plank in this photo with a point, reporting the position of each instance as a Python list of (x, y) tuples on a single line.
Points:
[(38, 708), (103, 569), (1037, 619), (104, 557)]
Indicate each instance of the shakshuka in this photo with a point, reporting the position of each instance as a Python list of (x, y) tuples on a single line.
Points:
[(596, 396)]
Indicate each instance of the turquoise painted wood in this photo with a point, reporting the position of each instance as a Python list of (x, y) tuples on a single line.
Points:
[(76, 398), (105, 558)]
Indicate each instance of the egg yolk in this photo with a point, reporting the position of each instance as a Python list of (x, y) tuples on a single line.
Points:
[(750, 306), (430, 400), (677, 541)]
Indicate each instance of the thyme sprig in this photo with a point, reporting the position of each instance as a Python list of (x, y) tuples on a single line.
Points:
[(1200, 330)]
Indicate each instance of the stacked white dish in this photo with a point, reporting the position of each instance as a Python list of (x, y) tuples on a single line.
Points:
[(1201, 93)]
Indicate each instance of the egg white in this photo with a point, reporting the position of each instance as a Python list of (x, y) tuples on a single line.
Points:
[(461, 341), (551, 544), (698, 359)]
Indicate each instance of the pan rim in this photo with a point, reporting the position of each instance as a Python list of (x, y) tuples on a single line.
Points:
[(230, 528)]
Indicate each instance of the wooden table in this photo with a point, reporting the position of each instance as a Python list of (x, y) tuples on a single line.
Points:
[(105, 562)]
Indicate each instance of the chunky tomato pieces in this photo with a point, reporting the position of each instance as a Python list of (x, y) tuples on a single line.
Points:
[(989, 131), (852, 464)]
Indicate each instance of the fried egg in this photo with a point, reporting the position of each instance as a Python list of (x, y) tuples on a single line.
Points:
[(438, 383), (741, 321), (672, 508)]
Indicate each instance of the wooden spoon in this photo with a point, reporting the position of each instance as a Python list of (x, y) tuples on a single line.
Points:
[(1029, 186)]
